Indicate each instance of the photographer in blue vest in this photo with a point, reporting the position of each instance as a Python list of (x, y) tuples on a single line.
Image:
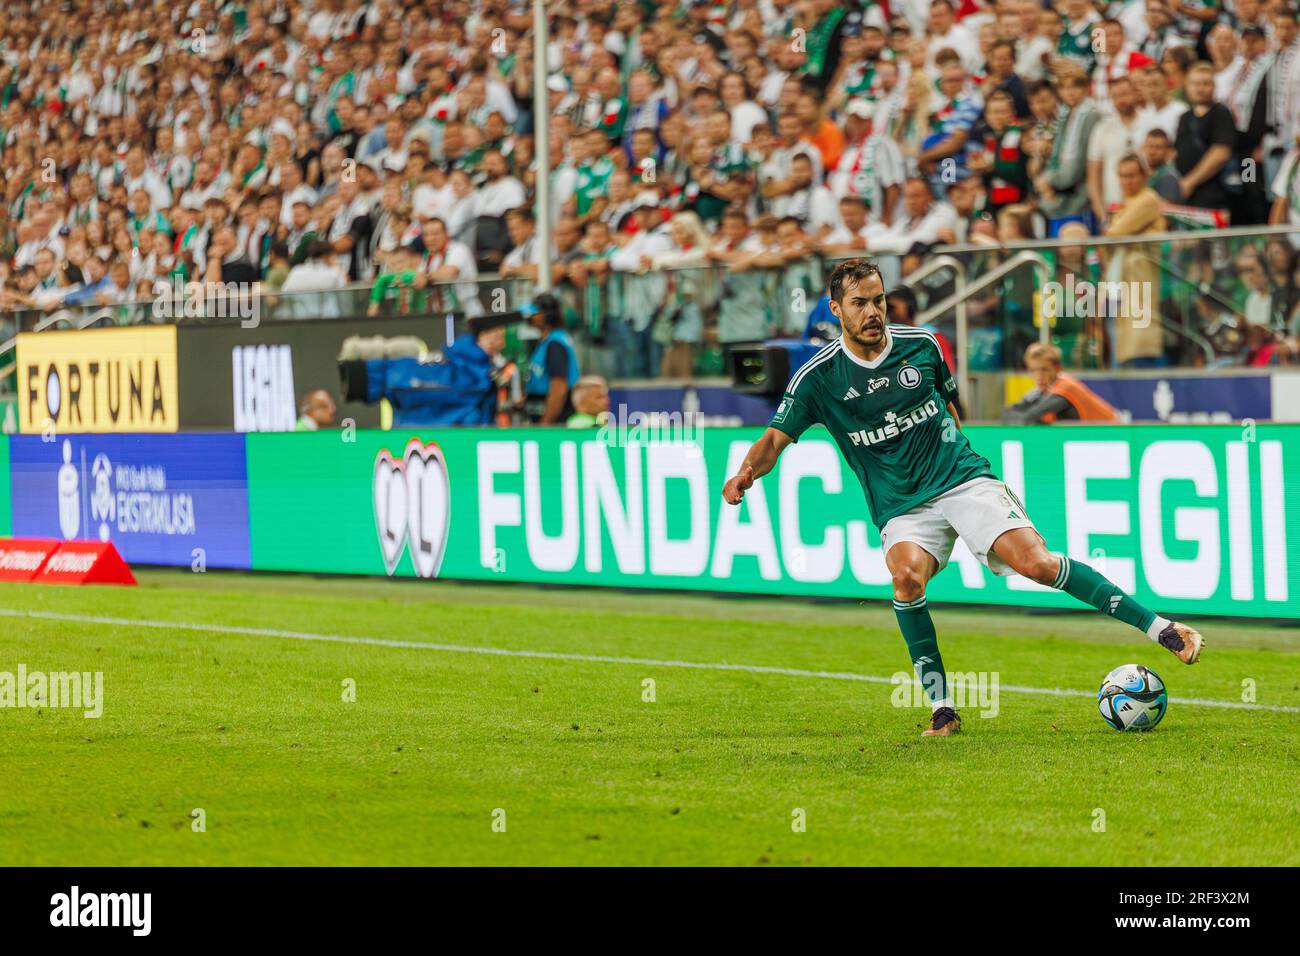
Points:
[(553, 368)]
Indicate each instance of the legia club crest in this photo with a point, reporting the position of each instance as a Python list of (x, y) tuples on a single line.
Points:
[(412, 498)]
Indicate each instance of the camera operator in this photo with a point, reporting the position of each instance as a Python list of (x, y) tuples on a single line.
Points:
[(501, 406), (553, 367)]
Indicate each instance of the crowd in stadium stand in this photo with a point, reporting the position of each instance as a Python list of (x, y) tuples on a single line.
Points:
[(310, 145)]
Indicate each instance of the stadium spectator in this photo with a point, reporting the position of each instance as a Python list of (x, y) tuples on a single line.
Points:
[(1002, 77), (1157, 152), (1112, 138), (818, 129), (744, 302), (1265, 346), (1286, 191), (850, 236), (946, 33), (400, 286), (1205, 142), (522, 261), (1160, 110), (970, 213), (590, 403), (375, 126), (1279, 265), (1137, 336), (998, 154), (1056, 396), (1283, 87), (1062, 183), (451, 266), (636, 353), (498, 193), (799, 277), (871, 167), (226, 260), (679, 328), (317, 411), (920, 222), (943, 153), (306, 286), (590, 274)]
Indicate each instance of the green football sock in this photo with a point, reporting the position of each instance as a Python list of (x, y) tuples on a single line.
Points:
[(1083, 582), (918, 630)]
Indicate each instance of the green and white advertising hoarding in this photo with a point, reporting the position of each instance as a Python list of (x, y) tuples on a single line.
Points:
[(1190, 519)]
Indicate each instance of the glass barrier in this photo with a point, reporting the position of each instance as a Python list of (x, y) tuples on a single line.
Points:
[(1186, 299)]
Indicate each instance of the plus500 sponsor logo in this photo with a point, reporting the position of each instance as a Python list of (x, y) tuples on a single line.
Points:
[(895, 425)]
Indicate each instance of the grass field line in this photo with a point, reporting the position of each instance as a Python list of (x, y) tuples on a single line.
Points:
[(581, 658)]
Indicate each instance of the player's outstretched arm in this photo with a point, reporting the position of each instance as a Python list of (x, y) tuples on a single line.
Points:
[(760, 460)]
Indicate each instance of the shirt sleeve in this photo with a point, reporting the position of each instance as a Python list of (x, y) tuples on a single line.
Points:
[(380, 288), (1031, 409), (943, 378), (557, 362), (1223, 130), (1281, 182), (794, 415), (1097, 143)]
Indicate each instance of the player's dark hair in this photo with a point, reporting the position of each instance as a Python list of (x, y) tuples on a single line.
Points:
[(851, 270)]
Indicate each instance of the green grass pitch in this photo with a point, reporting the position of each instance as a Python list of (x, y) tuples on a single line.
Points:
[(253, 729)]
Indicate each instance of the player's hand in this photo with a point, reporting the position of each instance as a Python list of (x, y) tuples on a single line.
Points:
[(735, 488)]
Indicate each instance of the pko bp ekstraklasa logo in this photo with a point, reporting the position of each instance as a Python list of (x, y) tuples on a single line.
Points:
[(412, 500)]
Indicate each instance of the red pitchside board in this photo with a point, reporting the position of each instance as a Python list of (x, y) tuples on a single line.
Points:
[(47, 561), (21, 559)]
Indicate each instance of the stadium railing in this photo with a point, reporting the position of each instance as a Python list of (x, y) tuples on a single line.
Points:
[(1204, 289)]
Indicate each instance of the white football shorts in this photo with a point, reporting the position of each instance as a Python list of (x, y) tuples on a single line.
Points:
[(978, 512)]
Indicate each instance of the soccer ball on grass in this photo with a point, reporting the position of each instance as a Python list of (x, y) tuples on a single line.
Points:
[(1132, 697)]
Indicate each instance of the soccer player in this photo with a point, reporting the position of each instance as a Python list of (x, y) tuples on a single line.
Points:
[(885, 394)]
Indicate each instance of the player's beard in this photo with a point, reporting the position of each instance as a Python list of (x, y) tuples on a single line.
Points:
[(870, 335)]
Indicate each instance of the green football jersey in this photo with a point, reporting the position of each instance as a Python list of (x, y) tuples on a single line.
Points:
[(889, 418)]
